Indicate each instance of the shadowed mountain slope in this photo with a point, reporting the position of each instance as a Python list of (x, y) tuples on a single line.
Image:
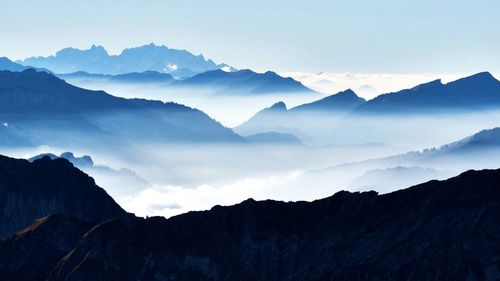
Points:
[(475, 92), (440, 230), (32, 190), (47, 110), (244, 82)]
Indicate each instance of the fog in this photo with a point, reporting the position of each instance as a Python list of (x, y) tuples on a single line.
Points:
[(229, 110), (344, 151), (168, 180)]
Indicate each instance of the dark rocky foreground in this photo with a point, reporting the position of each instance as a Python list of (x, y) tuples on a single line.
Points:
[(29, 191), (440, 230)]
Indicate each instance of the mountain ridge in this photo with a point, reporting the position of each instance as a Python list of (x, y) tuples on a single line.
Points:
[(136, 59)]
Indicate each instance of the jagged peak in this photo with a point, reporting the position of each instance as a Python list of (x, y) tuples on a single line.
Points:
[(278, 106)]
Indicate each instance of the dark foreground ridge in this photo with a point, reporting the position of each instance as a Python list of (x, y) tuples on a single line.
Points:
[(446, 230), (439, 230), (29, 191)]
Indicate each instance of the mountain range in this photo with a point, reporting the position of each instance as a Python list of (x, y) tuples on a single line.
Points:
[(133, 77), (215, 82), (245, 82), (30, 190), (476, 92), (439, 230), (346, 118), (42, 109), (306, 121), (150, 57)]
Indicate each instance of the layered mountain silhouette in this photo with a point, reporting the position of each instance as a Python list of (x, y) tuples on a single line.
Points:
[(478, 151), (341, 102), (306, 121), (30, 190), (134, 77), (274, 138), (244, 82), (7, 64), (345, 118), (46, 110), (150, 57), (476, 92), (439, 230), (119, 182)]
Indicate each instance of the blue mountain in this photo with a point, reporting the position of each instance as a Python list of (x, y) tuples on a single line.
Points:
[(134, 77), (7, 64), (145, 58), (342, 101), (479, 91), (245, 82), (271, 138), (46, 110), (308, 121)]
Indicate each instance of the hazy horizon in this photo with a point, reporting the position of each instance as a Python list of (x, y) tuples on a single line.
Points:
[(328, 36)]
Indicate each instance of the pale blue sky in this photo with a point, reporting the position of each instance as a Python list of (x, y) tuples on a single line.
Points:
[(382, 36)]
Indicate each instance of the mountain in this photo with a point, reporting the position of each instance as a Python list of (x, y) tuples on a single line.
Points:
[(476, 92), (83, 161), (7, 64), (145, 58), (118, 182), (270, 119), (311, 122), (134, 77), (45, 110), (274, 138), (32, 253), (30, 190), (481, 141), (244, 82), (341, 102), (439, 230)]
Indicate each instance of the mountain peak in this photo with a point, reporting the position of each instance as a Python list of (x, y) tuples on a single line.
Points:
[(434, 84), (279, 106), (478, 78)]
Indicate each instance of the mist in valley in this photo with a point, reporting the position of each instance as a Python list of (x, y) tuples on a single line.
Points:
[(285, 152)]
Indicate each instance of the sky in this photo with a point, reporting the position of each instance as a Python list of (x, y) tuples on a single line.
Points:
[(335, 36)]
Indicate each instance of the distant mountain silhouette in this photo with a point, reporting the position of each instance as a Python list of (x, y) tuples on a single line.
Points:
[(274, 138), (135, 77), (119, 182), (145, 58), (46, 110), (7, 64), (439, 230), (246, 82), (32, 190), (341, 102), (476, 92), (481, 141), (83, 161), (307, 121)]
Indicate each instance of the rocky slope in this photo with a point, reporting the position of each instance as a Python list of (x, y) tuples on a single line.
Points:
[(446, 230), (31, 253), (29, 191)]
